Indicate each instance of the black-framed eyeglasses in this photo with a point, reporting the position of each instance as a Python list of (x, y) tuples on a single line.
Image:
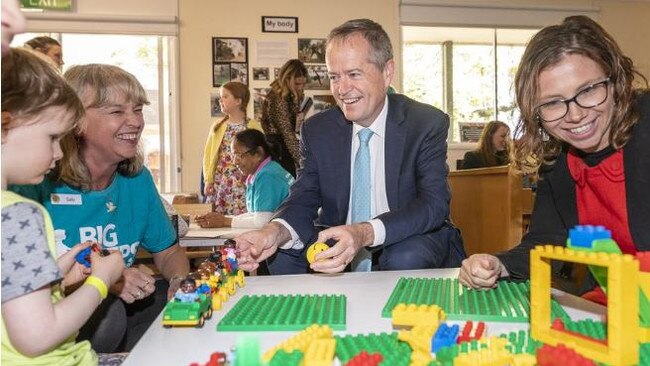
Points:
[(591, 96), (239, 155)]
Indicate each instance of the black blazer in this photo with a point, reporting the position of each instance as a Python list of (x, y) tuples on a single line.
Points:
[(474, 159), (555, 210), (415, 163)]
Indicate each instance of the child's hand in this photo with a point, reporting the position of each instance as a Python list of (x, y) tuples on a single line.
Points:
[(74, 272), (67, 260), (208, 190), (109, 268)]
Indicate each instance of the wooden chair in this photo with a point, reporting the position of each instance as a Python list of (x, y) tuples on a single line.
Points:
[(487, 206)]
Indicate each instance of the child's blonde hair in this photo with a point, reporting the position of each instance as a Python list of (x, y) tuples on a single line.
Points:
[(30, 86), (98, 85)]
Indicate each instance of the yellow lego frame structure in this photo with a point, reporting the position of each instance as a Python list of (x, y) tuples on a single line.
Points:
[(644, 282), (623, 281)]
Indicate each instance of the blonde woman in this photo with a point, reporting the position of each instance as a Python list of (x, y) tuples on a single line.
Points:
[(224, 183), (280, 112), (101, 192)]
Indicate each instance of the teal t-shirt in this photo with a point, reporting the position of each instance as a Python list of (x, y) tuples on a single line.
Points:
[(126, 215), (269, 188)]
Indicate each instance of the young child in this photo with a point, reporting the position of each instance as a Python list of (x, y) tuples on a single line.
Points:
[(224, 183), (38, 108)]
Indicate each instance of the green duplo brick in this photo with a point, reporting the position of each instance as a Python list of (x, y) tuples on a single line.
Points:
[(510, 301), (282, 358), (285, 313)]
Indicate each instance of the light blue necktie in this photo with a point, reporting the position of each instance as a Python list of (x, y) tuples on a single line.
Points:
[(361, 188)]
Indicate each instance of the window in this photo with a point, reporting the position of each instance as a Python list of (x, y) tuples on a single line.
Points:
[(146, 57), (466, 72)]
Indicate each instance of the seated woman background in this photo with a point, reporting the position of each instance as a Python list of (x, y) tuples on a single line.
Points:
[(267, 183), (493, 147)]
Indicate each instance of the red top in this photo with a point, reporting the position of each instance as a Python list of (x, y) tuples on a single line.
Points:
[(600, 193)]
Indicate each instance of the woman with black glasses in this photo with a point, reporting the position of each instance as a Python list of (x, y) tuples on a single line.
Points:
[(588, 131), (267, 183)]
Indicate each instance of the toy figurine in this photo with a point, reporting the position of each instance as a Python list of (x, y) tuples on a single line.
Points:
[(187, 292)]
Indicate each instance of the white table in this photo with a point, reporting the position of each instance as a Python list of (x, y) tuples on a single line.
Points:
[(200, 237), (366, 294)]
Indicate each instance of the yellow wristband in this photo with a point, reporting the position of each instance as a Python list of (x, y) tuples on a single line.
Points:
[(97, 283)]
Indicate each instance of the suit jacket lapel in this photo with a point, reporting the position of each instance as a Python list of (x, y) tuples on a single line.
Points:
[(395, 139), (341, 152)]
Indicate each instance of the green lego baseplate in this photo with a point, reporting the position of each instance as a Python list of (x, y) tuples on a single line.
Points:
[(510, 301), (394, 352), (285, 313), (590, 328)]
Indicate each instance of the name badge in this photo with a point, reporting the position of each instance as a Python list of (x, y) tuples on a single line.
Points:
[(65, 199)]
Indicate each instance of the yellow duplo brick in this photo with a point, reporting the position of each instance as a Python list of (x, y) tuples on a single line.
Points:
[(419, 358), (301, 340), (494, 343), (419, 337), (320, 352), (622, 309), (409, 315), (484, 357), (524, 359)]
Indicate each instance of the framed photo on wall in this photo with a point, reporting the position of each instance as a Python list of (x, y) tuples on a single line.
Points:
[(239, 72), (318, 78), (261, 73), (230, 49), (215, 105), (220, 74), (229, 60), (311, 51)]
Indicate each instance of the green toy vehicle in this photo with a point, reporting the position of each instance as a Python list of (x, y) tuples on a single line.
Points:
[(178, 313)]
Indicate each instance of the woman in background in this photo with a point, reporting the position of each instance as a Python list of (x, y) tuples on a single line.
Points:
[(224, 183), (267, 183), (49, 47), (281, 113), (493, 147)]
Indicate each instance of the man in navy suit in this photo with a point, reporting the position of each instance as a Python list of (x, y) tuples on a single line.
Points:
[(408, 223)]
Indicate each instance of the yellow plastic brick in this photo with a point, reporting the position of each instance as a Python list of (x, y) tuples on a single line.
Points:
[(419, 337), (301, 340), (622, 308), (409, 315), (484, 357), (320, 352)]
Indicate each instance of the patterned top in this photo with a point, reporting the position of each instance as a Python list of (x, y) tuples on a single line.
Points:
[(27, 263), (279, 118), (229, 189)]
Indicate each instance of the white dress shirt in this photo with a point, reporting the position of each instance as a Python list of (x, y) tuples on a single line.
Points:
[(378, 197)]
